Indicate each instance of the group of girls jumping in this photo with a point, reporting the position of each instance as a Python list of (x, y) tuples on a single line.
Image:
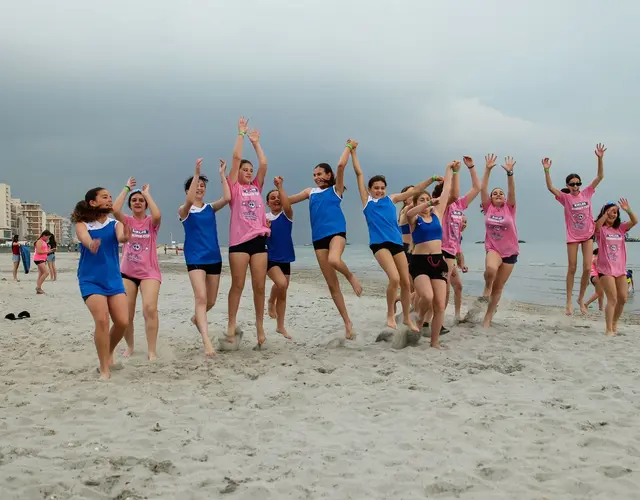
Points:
[(420, 251)]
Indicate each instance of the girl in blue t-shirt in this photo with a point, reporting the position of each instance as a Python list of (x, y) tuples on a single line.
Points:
[(99, 276)]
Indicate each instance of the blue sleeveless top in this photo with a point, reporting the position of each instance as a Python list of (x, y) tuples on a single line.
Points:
[(99, 273), (325, 213), (201, 236), (405, 228), (280, 243), (427, 231), (381, 219)]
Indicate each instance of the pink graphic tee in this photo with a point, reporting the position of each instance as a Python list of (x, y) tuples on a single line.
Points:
[(501, 232), (248, 218), (139, 254), (577, 215), (452, 225), (612, 251)]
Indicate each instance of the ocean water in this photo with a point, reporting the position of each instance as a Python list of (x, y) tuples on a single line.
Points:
[(538, 277)]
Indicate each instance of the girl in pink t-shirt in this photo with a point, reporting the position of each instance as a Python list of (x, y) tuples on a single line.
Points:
[(595, 281), (579, 224), (501, 239), (139, 264), (248, 231), (612, 259)]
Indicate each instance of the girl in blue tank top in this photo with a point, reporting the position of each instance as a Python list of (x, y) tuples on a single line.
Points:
[(385, 237), (280, 251), (201, 247), (99, 276), (428, 267), (329, 230)]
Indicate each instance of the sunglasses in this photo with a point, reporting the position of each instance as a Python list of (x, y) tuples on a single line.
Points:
[(574, 184)]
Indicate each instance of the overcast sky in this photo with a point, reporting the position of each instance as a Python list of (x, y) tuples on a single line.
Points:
[(95, 91)]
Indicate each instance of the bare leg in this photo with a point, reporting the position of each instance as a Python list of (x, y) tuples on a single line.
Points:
[(492, 263), (502, 276), (42, 275), (16, 265), (238, 263), (400, 260), (587, 257), (119, 312), (150, 289), (572, 255), (198, 280), (456, 282), (132, 294), (280, 287), (330, 276), (439, 296), (258, 267), (609, 286), (273, 297), (388, 265), (336, 249), (50, 268), (424, 291), (99, 308), (622, 290), (55, 271)]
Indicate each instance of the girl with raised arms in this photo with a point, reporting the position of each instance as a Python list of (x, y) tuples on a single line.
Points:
[(612, 259), (99, 276), (501, 238), (201, 247), (579, 224), (281, 252), (385, 237), (329, 230), (139, 264), (428, 266), (248, 231)]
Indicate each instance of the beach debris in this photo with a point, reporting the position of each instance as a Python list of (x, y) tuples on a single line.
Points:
[(156, 428), (230, 487)]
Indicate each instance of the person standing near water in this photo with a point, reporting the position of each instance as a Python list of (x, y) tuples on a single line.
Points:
[(579, 224), (329, 230), (99, 276), (201, 249), (612, 259), (139, 265)]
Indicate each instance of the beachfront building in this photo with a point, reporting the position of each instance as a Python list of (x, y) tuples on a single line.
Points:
[(67, 232), (5, 213), (36, 219), (54, 224), (18, 219)]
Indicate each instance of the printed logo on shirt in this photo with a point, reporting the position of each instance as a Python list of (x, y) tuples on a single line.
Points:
[(580, 205), (497, 217), (457, 213), (614, 236), (250, 191)]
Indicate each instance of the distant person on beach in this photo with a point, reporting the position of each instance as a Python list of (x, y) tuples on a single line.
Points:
[(99, 276), (281, 252), (41, 252), (385, 237), (595, 281), (579, 224), (139, 264), (452, 226), (329, 230), (201, 248), (501, 238), (612, 259), (428, 265), (15, 256), (630, 285), (51, 258), (248, 231)]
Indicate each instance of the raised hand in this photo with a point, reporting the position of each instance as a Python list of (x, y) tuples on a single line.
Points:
[(95, 245), (624, 204), (223, 166), (600, 149), (145, 189), (254, 136), (546, 163), (490, 161), (456, 166), (353, 144), (435, 202), (509, 162), (468, 161), (438, 178), (198, 166), (131, 183), (243, 125), (277, 181), (464, 269)]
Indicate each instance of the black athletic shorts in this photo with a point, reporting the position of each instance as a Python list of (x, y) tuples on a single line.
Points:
[(252, 247), (323, 243), (214, 269), (447, 255), (512, 259), (285, 267), (393, 248), (135, 281), (432, 265)]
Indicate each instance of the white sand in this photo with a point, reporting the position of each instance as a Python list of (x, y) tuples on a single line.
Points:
[(541, 406)]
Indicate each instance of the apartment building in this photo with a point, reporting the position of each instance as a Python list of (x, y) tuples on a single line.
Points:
[(36, 219), (18, 219), (5, 213), (60, 227), (67, 232)]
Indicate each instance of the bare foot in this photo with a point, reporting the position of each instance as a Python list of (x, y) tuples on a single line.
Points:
[(283, 331), (231, 333), (486, 323), (411, 325), (152, 356), (583, 307), (261, 337), (349, 333), (272, 310), (438, 345), (40, 291), (127, 353), (104, 375), (209, 351), (568, 310), (355, 284), (391, 321), (611, 334)]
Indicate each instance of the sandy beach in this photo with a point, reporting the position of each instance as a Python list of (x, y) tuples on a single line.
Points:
[(539, 407)]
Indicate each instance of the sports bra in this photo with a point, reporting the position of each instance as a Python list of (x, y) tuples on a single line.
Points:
[(427, 231), (406, 229)]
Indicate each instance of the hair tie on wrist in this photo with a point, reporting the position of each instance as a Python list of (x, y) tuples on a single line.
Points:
[(349, 145), (242, 133), (454, 172), (127, 188), (434, 178), (509, 173), (546, 169)]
